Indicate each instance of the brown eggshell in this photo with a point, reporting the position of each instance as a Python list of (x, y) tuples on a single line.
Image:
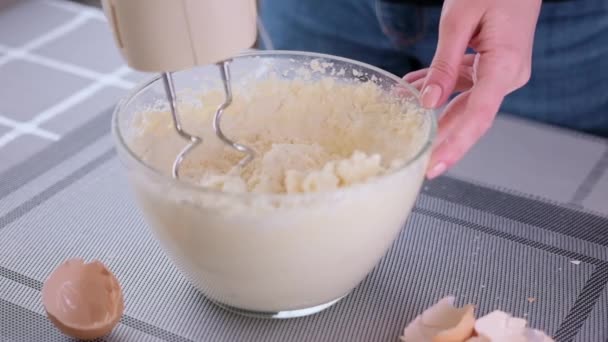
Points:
[(462, 329), (442, 322), (83, 300)]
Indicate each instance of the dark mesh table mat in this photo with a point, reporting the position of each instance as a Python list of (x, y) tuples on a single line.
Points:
[(543, 261)]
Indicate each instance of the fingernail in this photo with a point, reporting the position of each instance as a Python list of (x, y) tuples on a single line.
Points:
[(436, 170), (430, 96)]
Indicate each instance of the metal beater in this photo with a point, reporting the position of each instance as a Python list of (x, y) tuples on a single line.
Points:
[(162, 35), (194, 141)]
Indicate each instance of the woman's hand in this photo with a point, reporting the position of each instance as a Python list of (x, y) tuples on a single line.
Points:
[(502, 33)]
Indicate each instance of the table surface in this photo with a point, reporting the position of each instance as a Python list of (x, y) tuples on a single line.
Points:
[(520, 225)]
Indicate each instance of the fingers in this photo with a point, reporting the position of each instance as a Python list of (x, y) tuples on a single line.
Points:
[(418, 84), (467, 120), (464, 81), (450, 120), (465, 72), (414, 76), (464, 126), (456, 29), (411, 77)]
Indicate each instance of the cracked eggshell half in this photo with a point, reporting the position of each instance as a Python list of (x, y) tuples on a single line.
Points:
[(442, 322), (83, 300)]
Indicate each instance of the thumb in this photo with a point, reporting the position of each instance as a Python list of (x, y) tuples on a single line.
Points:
[(456, 28)]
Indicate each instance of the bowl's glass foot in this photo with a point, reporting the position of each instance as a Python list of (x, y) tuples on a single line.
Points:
[(279, 314)]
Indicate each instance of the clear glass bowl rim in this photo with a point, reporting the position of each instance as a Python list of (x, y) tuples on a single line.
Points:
[(126, 152)]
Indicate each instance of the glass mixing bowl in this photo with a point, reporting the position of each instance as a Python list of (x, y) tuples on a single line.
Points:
[(273, 255)]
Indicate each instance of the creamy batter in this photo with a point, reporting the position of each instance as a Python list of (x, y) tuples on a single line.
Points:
[(308, 137), (315, 211)]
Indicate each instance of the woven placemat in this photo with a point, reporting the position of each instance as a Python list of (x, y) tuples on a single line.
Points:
[(544, 261)]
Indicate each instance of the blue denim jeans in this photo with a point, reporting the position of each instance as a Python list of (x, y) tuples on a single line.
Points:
[(569, 83)]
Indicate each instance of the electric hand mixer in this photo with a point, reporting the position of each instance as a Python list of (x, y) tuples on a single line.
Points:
[(170, 35)]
